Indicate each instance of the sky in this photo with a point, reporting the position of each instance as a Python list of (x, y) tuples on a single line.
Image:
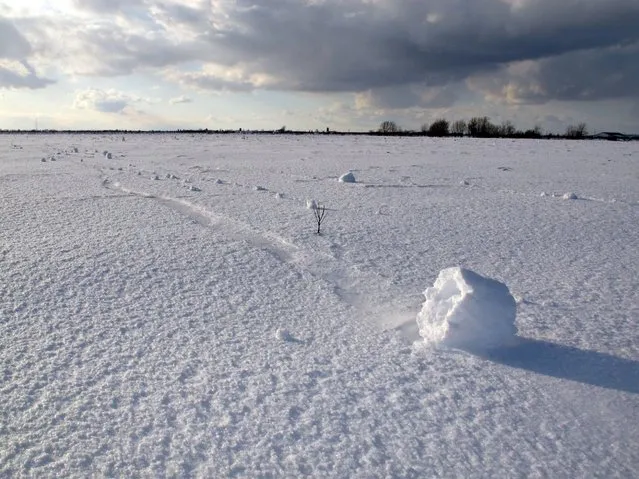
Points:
[(317, 64)]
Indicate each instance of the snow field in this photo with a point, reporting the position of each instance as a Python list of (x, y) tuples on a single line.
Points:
[(150, 329)]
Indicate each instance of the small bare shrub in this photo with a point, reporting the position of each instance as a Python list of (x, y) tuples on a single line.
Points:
[(320, 213)]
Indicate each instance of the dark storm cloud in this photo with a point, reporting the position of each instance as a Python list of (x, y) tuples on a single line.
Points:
[(581, 76), (353, 46), (368, 45)]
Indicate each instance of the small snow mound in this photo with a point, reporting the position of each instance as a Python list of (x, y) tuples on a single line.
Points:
[(347, 178), (311, 204), (468, 311), (569, 196), (283, 335)]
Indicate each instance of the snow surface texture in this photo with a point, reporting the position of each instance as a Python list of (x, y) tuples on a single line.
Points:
[(152, 330), (466, 310)]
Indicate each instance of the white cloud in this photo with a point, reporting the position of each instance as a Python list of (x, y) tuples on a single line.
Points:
[(105, 101), (180, 99)]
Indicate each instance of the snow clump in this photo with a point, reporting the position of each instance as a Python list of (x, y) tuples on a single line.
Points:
[(569, 196), (283, 335), (468, 311), (347, 178)]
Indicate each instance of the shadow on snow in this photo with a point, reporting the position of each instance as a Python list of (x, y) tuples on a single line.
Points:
[(565, 362)]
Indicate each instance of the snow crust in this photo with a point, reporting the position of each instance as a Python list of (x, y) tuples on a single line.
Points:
[(466, 310)]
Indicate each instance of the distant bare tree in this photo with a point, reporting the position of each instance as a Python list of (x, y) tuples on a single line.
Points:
[(459, 128), (507, 129), (577, 131), (480, 126), (320, 213), (439, 128), (388, 127), (535, 132)]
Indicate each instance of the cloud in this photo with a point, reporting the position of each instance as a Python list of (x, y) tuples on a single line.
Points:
[(104, 101), (15, 70), (420, 47), (357, 45), (13, 45), (107, 6), (180, 99), (581, 76), (407, 96), (19, 74)]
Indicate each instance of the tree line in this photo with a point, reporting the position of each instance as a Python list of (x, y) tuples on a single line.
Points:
[(481, 127)]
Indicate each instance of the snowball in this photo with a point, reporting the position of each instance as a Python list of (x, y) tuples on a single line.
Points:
[(311, 204), (569, 196), (468, 311), (347, 178)]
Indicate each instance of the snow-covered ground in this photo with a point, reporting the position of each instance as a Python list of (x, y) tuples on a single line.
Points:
[(166, 308)]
